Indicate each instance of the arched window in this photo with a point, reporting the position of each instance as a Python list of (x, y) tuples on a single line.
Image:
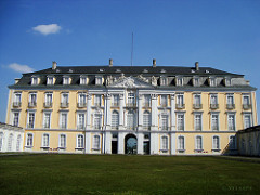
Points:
[(10, 143), (147, 119), (18, 143), (1, 141), (80, 141), (115, 120), (130, 120), (215, 142)]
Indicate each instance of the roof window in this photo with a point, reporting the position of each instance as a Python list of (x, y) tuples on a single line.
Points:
[(145, 71), (163, 71), (70, 71)]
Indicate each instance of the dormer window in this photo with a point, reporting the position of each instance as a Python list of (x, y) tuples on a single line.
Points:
[(118, 70), (57, 70), (83, 80), (212, 82), (101, 70), (163, 71), (70, 71), (192, 71), (66, 80), (50, 80), (163, 81), (179, 81), (228, 82), (196, 82), (207, 71), (145, 71), (34, 80), (98, 80)]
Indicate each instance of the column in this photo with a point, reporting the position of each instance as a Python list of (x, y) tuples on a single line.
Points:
[(120, 142), (140, 114), (154, 143), (140, 143), (107, 142), (107, 111), (172, 113), (172, 143), (89, 111), (120, 111), (154, 112), (88, 142)]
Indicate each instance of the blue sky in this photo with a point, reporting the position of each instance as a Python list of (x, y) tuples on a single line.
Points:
[(221, 34)]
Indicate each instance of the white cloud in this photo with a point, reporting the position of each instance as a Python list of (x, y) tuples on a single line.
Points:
[(47, 29), (20, 68)]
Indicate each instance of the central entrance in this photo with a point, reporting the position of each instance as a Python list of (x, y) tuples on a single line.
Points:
[(130, 144)]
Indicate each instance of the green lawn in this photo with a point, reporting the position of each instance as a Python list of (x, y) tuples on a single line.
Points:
[(116, 174)]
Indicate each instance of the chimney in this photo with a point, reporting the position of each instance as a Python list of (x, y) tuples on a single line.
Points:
[(197, 65), (110, 62), (154, 62), (54, 65)]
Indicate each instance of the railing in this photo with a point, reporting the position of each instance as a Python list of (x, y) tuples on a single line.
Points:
[(230, 106), (215, 128), (32, 104), (82, 105), (247, 106), (17, 104), (179, 105), (147, 105), (64, 105), (197, 106), (198, 128), (214, 106), (180, 128), (131, 105), (47, 104)]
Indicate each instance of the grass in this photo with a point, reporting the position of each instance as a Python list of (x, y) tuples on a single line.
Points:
[(129, 175)]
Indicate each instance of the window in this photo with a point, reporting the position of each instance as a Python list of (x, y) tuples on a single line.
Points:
[(198, 122), (18, 143), (131, 98), (17, 99), (179, 82), (66, 80), (64, 99), (197, 100), (29, 139), (232, 142), (1, 141), (164, 122), (48, 100), (98, 80), (64, 119), (214, 122), (98, 99), (180, 100), (247, 120), (50, 81), (116, 100), (115, 120), (246, 101), (163, 81), (213, 101), (212, 82), (82, 100), (181, 142), (96, 142), (46, 120), (196, 82), (32, 99), (10, 142), (147, 120), (215, 142), (231, 122), (31, 120), (130, 120), (163, 100), (45, 140), (80, 141), (230, 101), (227, 82), (164, 142), (147, 100), (180, 122), (34, 80), (80, 121), (83, 80), (97, 121), (15, 119), (62, 141), (199, 142)]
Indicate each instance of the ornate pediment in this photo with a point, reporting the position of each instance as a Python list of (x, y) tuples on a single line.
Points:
[(131, 82)]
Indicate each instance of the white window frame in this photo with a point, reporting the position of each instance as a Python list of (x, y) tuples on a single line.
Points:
[(83, 80), (133, 120), (147, 100), (216, 145), (212, 82), (201, 121), (50, 80), (250, 121), (48, 122), (96, 145), (180, 144), (10, 142), (97, 118), (180, 103), (234, 121), (43, 140), (34, 80), (15, 120), (196, 81), (83, 122), (115, 119), (183, 121), (196, 143), (66, 80), (199, 98), (17, 98), (211, 121), (249, 101), (1, 141), (147, 119), (28, 120), (98, 100), (62, 143), (235, 142), (179, 81), (48, 101), (62, 126), (82, 99), (164, 97), (31, 102), (80, 140), (63, 99), (27, 139), (116, 99), (164, 146), (98, 80), (163, 81), (212, 100), (233, 99), (131, 98)]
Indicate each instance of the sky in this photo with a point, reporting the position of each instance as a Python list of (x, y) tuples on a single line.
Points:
[(220, 34)]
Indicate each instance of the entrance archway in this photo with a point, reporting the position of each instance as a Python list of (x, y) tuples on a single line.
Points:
[(130, 144)]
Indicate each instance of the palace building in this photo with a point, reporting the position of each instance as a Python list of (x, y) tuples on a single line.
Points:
[(157, 110)]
